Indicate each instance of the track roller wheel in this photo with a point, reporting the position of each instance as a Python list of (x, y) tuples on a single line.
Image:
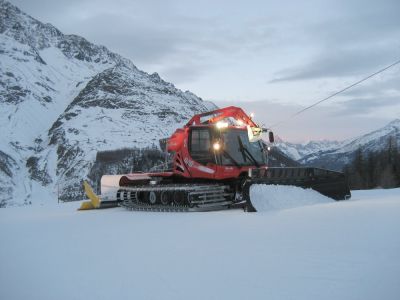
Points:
[(179, 198), (166, 198), (151, 198)]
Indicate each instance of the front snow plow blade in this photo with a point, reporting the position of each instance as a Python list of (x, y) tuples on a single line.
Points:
[(96, 201), (329, 183)]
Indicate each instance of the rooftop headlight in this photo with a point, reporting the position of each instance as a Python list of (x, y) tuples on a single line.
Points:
[(221, 125)]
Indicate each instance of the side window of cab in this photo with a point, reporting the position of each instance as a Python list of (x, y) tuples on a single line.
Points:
[(200, 145)]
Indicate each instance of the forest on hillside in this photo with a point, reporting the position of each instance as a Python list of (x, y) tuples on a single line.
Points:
[(379, 169)]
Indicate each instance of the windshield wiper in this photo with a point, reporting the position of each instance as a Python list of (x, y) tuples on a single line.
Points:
[(231, 158), (244, 151)]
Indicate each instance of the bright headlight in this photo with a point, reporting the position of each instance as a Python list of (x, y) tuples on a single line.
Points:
[(221, 124), (216, 146)]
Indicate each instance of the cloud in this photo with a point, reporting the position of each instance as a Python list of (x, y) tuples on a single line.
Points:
[(143, 43), (365, 106), (182, 73), (386, 84), (353, 39), (358, 23), (342, 62)]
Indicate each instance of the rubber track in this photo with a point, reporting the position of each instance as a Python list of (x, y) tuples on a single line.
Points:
[(171, 208), (213, 191)]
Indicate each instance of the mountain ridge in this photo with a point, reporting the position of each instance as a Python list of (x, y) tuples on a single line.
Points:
[(336, 154), (51, 86)]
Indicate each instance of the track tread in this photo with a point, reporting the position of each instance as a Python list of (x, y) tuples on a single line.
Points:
[(207, 198)]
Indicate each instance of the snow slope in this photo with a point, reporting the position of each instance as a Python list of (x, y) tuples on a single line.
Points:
[(329, 250)]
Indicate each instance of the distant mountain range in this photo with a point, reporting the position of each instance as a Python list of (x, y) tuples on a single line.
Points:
[(335, 155)]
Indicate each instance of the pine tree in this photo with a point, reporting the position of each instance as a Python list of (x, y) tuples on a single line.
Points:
[(388, 179), (358, 170), (371, 165)]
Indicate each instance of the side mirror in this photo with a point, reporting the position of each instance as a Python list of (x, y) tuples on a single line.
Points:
[(271, 137)]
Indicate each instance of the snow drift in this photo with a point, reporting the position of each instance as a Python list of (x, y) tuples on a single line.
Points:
[(274, 197)]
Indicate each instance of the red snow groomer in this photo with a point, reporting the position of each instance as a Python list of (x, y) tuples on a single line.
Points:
[(217, 156)]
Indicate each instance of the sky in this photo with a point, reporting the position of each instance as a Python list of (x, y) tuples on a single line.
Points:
[(272, 58)]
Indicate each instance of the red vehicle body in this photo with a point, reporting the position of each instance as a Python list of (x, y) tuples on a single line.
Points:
[(187, 166), (216, 157)]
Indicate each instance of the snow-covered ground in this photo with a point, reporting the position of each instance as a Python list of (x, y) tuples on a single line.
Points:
[(321, 250)]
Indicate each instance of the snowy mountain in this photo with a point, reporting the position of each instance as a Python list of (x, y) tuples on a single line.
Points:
[(298, 151), (335, 155), (62, 99), (118, 108)]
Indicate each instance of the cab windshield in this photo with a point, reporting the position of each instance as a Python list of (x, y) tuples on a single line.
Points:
[(238, 150)]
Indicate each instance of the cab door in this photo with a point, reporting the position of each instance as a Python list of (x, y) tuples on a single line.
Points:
[(200, 149)]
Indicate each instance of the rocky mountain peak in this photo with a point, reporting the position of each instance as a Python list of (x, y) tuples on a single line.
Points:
[(25, 29), (38, 36), (64, 99), (394, 124)]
